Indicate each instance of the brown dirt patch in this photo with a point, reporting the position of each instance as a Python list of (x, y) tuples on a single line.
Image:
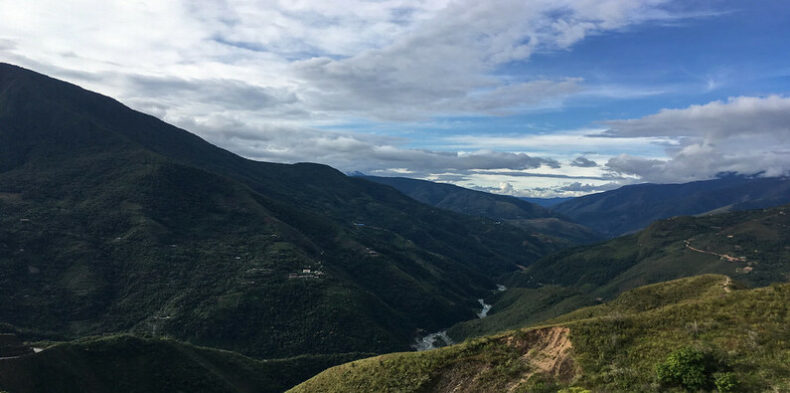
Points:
[(547, 351), (543, 351)]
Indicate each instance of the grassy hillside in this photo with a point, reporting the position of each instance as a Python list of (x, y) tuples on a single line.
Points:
[(113, 221), (750, 246), (503, 208), (738, 338), (121, 364), (634, 207)]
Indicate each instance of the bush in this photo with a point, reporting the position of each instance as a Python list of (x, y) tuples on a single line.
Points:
[(725, 382), (689, 368)]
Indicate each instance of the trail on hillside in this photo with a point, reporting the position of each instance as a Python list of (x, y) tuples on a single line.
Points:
[(726, 257)]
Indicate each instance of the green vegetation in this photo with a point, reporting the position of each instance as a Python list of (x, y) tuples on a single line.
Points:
[(113, 221), (130, 364), (622, 344), (487, 364), (751, 247), (725, 382), (689, 368), (733, 339)]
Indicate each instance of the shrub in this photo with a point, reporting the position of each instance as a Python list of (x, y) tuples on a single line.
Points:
[(725, 382), (689, 368)]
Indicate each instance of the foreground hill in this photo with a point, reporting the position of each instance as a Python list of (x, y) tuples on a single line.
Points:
[(131, 364), (114, 221), (630, 208), (698, 333), (753, 247), (512, 210)]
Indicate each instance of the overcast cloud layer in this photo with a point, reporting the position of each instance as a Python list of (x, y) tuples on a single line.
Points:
[(467, 92)]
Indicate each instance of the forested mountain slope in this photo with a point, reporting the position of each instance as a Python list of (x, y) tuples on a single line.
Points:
[(126, 363), (752, 247), (634, 207), (114, 221)]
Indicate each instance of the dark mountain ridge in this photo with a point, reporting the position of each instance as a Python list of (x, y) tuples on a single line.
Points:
[(114, 221), (633, 207), (124, 363)]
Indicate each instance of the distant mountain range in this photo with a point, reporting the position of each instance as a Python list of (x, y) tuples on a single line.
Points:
[(609, 214), (503, 208), (634, 207), (114, 221)]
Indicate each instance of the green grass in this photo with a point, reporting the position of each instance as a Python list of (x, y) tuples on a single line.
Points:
[(484, 365), (616, 347), (746, 330)]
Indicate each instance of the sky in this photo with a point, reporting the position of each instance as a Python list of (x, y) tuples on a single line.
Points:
[(528, 98)]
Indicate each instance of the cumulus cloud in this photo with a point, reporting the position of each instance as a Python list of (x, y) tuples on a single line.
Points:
[(269, 79), (713, 121), (743, 135), (504, 188), (583, 162), (348, 151), (578, 187), (226, 93), (390, 59), (445, 65)]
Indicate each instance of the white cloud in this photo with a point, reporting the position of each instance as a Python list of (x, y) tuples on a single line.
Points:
[(586, 188), (445, 65), (506, 188), (262, 78), (743, 134), (354, 151), (390, 59), (713, 121)]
